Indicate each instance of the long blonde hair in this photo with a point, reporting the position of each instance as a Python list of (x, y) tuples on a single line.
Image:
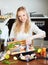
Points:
[(18, 23)]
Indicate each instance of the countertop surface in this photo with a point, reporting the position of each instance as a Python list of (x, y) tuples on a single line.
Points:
[(34, 62)]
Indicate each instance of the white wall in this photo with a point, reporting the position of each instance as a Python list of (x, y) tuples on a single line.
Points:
[(39, 6)]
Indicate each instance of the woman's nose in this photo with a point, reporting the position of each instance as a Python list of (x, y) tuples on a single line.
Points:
[(22, 17)]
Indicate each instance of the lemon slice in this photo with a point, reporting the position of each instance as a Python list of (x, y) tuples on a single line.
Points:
[(39, 50), (7, 56)]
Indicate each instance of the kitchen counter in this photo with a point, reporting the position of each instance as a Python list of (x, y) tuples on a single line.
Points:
[(34, 62), (39, 18)]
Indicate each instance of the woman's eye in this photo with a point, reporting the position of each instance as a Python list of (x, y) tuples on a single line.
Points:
[(23, 15), (18, 16)]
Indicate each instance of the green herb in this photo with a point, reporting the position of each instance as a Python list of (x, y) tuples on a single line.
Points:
[(8, 62), (36, 49), (10, 46)]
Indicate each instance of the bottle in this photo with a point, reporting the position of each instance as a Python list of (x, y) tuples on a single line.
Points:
[(43, 52)]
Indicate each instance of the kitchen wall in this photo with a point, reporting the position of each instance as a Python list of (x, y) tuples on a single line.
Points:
[(38, 6)]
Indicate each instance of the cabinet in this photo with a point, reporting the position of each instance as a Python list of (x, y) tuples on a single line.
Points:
[(45, 27)]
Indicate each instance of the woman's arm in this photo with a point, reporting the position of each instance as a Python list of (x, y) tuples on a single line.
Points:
[(38, 32), (41, 35)]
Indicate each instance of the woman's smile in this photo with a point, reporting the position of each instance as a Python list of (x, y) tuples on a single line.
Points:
[(22, 16)]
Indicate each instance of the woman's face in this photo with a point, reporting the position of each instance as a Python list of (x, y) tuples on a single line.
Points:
[(22, 16)]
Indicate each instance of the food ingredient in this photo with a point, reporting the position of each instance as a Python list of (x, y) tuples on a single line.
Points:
[(15, 58), (17, 43), (7, 56), (12, 45), (39, 50), (8, 62), (43, 52)]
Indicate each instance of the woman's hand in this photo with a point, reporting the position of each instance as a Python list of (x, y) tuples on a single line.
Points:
[(28, 41)]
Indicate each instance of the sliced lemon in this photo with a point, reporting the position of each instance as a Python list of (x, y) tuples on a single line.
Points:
[(39, 50), (7, 56)]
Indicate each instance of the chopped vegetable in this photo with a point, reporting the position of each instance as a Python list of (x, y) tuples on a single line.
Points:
[(12, 45), (17, 43)]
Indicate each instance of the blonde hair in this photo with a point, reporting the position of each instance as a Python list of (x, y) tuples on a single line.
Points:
[(18, 23)]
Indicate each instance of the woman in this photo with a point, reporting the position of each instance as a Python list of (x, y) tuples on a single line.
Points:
[(23, 28)]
